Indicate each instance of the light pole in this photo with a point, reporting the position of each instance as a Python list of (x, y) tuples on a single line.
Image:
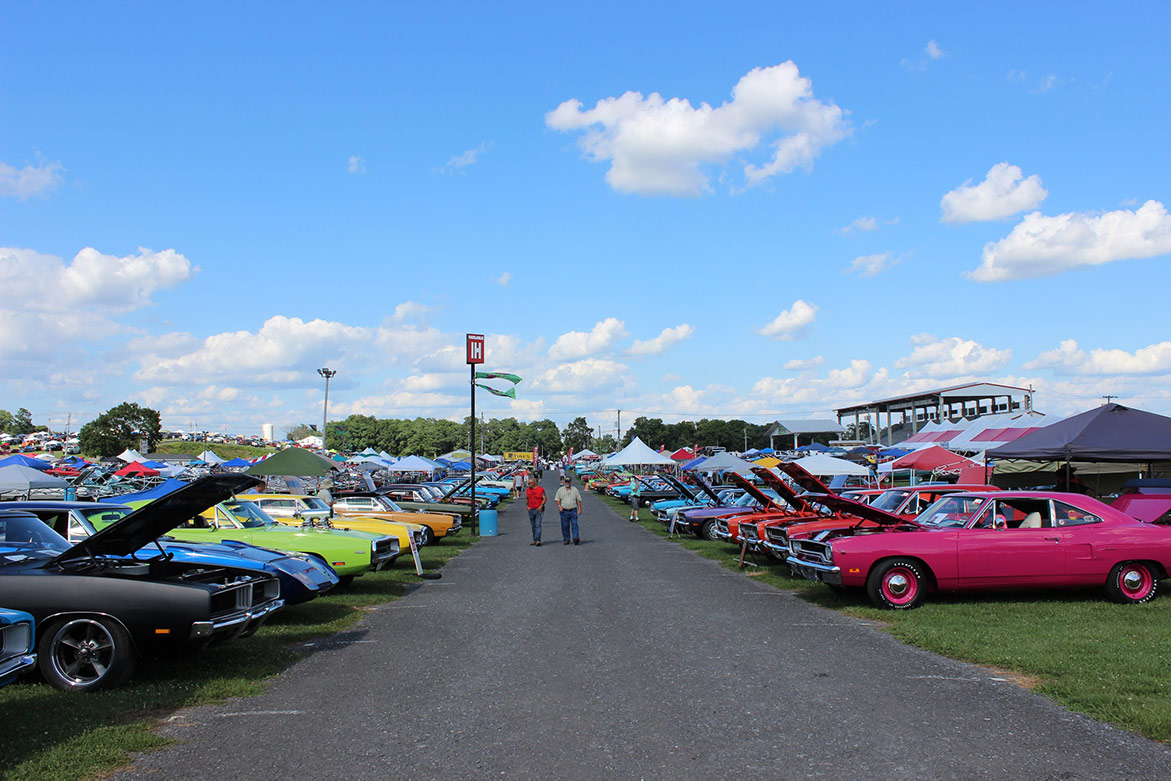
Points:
[(327, 374)]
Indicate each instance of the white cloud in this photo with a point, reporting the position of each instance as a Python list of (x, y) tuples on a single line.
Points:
[(1042, 246), (1002, 194), (951, 357), (858, 373), (410, 310), (869, 265), (658, 147), (504, 280), (791, 323), (667, 338), (579, 344), (357, 165), (933, 51), (459, 164), (591, 374), (862, 224), (798, 364), (1153, 359), (31, 181), (285, 351)]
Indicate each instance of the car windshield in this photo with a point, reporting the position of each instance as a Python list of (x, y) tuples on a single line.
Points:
[(316, 504), (249, 515), (100, 517), (890, 500), (951, 511), (388, 504), (21, 534)]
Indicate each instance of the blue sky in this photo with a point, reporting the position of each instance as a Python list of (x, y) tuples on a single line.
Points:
[(200, 204)]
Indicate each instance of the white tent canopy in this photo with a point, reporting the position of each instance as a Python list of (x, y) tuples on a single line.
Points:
[(130, 455), (637, 454), (208, 457), (587, 453), (827, 466), (724, 462), (412, 464)]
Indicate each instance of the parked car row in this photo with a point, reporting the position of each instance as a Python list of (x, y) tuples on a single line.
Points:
[(903, 544)]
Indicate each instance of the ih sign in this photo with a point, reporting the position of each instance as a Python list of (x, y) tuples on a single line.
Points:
[(475, 348)]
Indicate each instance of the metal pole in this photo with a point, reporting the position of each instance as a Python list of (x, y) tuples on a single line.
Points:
[(475, 508), (326, 373)]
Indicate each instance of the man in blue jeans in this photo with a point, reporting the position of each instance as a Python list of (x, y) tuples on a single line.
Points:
[(568, 501), (535, 500)]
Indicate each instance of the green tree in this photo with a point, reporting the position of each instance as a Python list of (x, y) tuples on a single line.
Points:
[(22, 423), (302, 431), (6, 421), (577, 435), (119, 428), (546, 436), (650, 430)]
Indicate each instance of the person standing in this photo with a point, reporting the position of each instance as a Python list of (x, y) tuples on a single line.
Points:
[(635, 485), (568, 501), (535, 499), (325, 496)]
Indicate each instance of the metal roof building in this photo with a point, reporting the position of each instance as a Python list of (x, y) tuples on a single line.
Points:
[(917, 409), (798, 427)]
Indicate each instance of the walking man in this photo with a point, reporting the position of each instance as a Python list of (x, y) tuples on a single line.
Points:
[(568, 501), (635, 487), (535, 499)]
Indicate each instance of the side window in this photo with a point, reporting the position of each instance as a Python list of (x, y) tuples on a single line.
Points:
[(985, 519), (1068, 515)]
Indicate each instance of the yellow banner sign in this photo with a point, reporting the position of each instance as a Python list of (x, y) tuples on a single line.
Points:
[(522, 455)]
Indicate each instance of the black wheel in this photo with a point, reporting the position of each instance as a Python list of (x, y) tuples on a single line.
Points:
[(708, 532), (345, 580), (898, 584), (87, 653), (1132, 583), (428, 535)]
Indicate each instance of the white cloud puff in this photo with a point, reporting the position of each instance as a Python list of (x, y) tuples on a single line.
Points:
[(1152, 359), (798, 364), (1042, 246), (458, 164), (667, 338), (933, 50), (32, 181), (869, 265), (658, 147), (951, 357), (1003, 193), (357, 165), (857, 373), (504, 280), (791, 323), (591, 374), (579, 344)]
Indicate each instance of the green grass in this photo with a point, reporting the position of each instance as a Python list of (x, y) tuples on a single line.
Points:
[(1105, 660), (52, 734), (226, 452)]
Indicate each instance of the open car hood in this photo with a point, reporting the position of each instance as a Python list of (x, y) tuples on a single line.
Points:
[(761, 497), (706, 487), (802, 478), (146, 524), (678, 485), (457, 487), (783, 489), (840, 504)]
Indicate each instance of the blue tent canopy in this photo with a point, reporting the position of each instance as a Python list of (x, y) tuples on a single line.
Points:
[(694, 463), (149, 495), (461, 466), (21, 460), (237, 462), (814, 447), (768, 451), (892, 452)]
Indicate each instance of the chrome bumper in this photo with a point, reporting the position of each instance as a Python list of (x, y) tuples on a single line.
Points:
[(237, 623), (15, 665), (823, 573)]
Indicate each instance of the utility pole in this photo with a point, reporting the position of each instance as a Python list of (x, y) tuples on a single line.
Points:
[(619, 428), (327, 374), (745, 439), (69, 424), (1109, 396), (484, 425)]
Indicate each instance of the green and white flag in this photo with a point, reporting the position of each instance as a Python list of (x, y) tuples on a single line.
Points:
[(510, 393), (498, 376)]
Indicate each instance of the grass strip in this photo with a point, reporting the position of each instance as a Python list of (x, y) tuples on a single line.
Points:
[(1090, 655), (53, 734)]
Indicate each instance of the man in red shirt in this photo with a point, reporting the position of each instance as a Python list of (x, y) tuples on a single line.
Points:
[(535, 499)]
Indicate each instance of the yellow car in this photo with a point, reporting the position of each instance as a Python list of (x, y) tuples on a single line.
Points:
[(295, 509), (374, 505)]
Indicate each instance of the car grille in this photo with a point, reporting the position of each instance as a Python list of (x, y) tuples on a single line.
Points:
[(777, 535), (749, 532), (244, 596), (721, 526), (15, 639), (384, 549), (810, 549)]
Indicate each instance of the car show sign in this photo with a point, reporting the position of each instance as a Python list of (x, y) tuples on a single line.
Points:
[(475, 348)]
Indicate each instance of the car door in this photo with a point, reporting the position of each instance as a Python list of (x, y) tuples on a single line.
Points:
[(1012, 557), (1087, 542)]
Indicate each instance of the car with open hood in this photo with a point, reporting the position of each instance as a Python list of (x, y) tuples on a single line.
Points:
[(99, 605), (988, 541), (424, 498), (296, 509), (371, 504)]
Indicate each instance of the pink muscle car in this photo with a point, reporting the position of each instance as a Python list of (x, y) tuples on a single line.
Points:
[(985, 541)]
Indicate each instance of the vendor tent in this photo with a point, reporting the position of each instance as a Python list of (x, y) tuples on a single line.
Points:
[(208, 457), (813, 447), (18, 479), (635, 454), (682, 454), (235, 462), (136, 469), (369, 452), (293, 462), (130, 455), (162, 489), (827, 466), (768, 462), (21, 460), (725, 462), (587, 453), (1110, 432), (929, 459), (413, 464)]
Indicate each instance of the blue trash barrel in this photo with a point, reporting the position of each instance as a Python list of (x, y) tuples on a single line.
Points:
[(488, 523)]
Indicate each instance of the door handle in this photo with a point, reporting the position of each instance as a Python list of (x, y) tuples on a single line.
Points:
[(1055, 539)]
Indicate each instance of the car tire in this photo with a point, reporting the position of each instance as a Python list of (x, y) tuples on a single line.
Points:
[(1132, 583), (344, 580), (85, 653), (708, 532), (898, 584), (428, 535)]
